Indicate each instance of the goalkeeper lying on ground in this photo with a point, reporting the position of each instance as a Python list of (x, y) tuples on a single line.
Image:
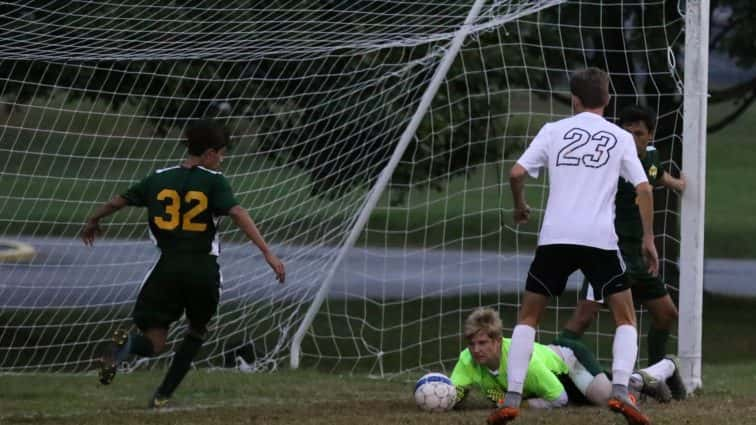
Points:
[(556, 375)]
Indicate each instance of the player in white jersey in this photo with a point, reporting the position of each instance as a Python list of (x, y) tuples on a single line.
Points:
[(585, 155)]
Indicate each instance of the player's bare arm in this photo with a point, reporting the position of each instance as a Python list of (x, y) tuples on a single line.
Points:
[(521, 210), (92, 227), (674, 183), (646, 208), (241, 218)]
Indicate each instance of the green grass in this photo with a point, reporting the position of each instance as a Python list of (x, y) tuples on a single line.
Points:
[(323, 395), (310, 397)]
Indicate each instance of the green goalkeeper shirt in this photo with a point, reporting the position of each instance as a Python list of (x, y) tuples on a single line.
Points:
[(541, 381)]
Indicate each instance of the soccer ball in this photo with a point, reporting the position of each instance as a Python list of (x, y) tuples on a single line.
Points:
[(434, 392)]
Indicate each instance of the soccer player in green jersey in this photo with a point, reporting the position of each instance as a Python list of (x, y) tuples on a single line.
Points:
[(647, 289), (556, 376), (184, 205)]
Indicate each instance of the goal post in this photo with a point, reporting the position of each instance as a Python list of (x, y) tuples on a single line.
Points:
[(693, 204), (377, 189)]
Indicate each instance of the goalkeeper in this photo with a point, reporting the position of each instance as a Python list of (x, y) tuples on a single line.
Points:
[(556, 376)]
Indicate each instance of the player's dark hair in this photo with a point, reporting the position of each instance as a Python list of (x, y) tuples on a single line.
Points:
[(638, 113), (203, 134), (591, 86)]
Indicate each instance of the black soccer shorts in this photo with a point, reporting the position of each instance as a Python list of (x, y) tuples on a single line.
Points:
[(553, 264)]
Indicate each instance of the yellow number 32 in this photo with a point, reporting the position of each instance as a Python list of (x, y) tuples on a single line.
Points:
[(173, 210)]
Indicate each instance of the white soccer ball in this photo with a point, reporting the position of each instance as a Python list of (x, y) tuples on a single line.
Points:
[(434, 392)]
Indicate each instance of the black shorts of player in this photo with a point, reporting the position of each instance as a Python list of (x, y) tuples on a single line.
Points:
[(553, 264), (178, 284), (645, 286)]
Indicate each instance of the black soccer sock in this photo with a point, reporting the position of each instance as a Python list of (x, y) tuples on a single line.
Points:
[(657, 344), (140, 345), (182, 362)]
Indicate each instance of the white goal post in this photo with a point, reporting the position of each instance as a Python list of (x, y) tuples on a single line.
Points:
[(693, 205)]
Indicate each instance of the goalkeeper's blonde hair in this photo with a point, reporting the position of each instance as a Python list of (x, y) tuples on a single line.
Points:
[(484, 320)]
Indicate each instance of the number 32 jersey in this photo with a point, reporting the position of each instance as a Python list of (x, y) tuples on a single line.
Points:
[(585, 155), (184, 206)]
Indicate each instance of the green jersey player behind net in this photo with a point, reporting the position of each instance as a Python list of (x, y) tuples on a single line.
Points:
[(556, 376), (648, 290), (184, 204)]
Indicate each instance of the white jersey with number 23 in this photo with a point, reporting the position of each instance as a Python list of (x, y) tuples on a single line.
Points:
[(585, 155)]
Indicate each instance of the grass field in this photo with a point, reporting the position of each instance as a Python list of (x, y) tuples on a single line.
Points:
[(309, 397), (322, 396)]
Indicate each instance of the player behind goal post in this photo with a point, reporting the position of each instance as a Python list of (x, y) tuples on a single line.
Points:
[(648, 290)]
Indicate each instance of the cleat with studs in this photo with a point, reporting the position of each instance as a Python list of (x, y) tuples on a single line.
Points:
[(158, 401), (108, 364), (627, 407), (655, 388), (675, 382), (503, 415)]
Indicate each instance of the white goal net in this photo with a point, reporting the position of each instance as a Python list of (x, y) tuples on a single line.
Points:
[(318, 97)]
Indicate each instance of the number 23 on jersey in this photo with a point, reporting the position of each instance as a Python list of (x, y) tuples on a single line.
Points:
[(584, 148), (196, 199)]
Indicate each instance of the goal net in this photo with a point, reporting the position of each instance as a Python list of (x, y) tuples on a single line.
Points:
[(325, 102)]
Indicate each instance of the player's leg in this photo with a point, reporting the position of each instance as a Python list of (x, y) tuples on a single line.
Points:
[(156, 337), (585, 313), (585, 374), (595, 385), (625, 345), (606, 272), (180, 366), (675, 381), (153, 313), (547, 277), (624, 353), (651, 292), (201, 296), (663, 318), (521, 348), (653, 379)]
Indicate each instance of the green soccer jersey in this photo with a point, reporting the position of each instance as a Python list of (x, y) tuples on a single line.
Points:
[(184, 206), (540, 382), (627, 221)]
